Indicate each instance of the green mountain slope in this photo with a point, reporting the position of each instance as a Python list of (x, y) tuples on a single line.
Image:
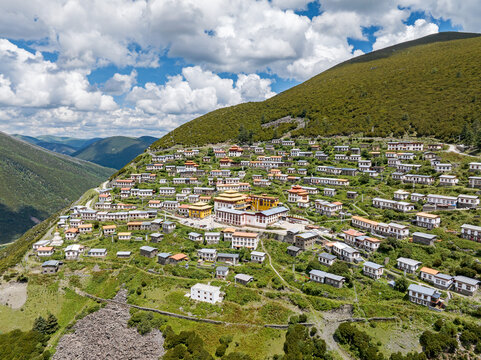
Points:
[(429, 86), (35, 183), (115, 151), (59, 144)]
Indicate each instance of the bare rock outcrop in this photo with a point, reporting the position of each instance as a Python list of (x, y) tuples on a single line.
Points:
[(104, 335)]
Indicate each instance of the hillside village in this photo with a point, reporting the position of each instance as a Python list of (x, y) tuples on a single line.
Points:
[(383, 226)]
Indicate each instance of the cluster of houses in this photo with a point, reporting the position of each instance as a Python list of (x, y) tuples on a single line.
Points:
[(229, 199)]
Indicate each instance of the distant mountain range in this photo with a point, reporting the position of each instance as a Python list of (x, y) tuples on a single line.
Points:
[(112, 152), (34, 183), (425, 87), (115, 151), (59, 144)]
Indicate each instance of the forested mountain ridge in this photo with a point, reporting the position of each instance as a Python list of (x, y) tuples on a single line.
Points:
[(428, 87)]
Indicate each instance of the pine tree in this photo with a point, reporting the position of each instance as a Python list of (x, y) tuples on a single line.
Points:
[(51, 324), (40, 325)]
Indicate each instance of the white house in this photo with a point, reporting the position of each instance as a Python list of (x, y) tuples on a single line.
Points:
[(408, 265), (372, 270), (326, 278), (468, 201), (392, 205), (205, 293), (207, 254), (212, 237), (258, 256), (326, 259), (465, 285), (72, 252), (475, 166), (97, 252), (194, 236), (471, 232), (242, 239), (448, 180), (423, 295), (428, 221), (442, 168)]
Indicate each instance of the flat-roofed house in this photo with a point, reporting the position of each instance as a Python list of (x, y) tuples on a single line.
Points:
[(423, 295), (50, 266), (326, 259), (205, 293), (428, 221), (232, 259), (258, 256), (207, 254), (471, 232), (212, 237), (293, 250), (326, 278), (243, 279), (424, 239), (465, 285), (372, 270), (221, 272), (148, 251), (410, 266)]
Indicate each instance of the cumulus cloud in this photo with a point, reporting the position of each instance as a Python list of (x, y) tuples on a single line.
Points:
[(419, 29), (120, 84), (28, 80), (240, 37), (197, 91)]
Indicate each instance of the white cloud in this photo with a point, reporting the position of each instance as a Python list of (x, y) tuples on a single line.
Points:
[(419, 29), (198, 91), (241, 37), (27, 80), (120, 84)]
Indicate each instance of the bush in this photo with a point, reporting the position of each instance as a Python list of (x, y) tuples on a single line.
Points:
[(401, 284), (221, 349), (358, 341)]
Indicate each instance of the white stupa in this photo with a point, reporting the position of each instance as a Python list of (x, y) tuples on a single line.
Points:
[(57, 240)]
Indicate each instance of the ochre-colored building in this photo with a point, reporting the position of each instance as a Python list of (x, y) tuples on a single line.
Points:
[(263, 202), (200, 210)]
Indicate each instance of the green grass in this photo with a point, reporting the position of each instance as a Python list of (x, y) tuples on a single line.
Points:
[(37, 183), (44, 295), (397, 92)]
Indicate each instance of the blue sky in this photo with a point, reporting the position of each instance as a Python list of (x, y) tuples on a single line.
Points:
[(144, 67)]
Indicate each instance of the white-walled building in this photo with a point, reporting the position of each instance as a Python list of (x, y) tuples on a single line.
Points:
[(205, 293)]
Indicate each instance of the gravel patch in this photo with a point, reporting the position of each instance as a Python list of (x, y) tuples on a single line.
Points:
[(105, 335)]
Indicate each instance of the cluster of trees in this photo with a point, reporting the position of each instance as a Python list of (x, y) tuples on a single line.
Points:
[(444, 339), (358, 341), (145, 321), (185, 345), (29, 345), (471, 134), (302, 343), (46, 326)]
